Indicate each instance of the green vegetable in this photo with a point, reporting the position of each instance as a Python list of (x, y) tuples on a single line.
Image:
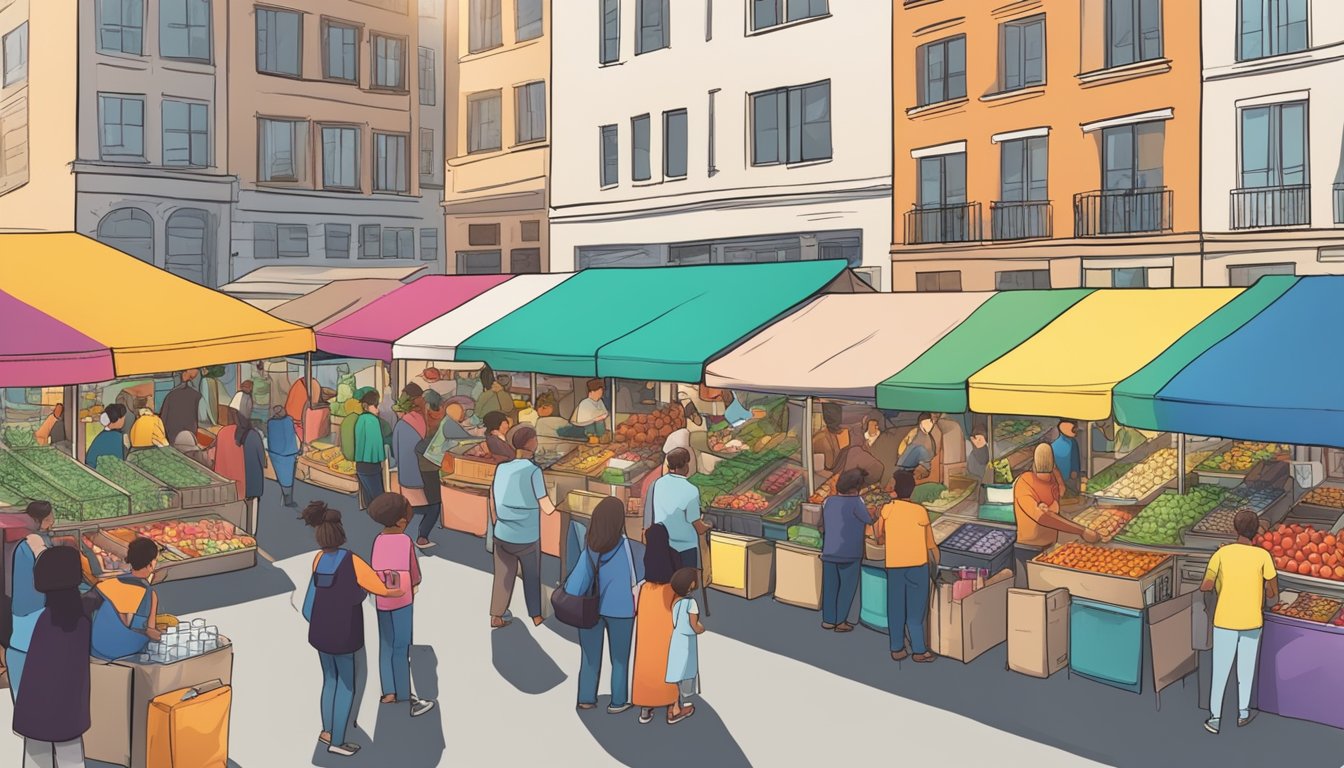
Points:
[(94, 498), (1162, 522), (1108, 476), (20, 437), (146, 495), (171, 468), (927, 492)]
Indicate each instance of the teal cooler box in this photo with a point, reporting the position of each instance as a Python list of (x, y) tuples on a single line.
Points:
[(1106, 644), (873, 597)]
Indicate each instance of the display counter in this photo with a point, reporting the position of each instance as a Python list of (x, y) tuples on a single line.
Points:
[(1299, 674)]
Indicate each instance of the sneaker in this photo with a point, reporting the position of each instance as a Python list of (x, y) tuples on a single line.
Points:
[(618, 710), (1211, 725), (1242, 722), (645, 716), (420, 706), (427, 544), (347, 749)]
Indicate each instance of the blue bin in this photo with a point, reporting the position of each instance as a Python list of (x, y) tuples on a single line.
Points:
[(873, 597), (774, 531), (1106, 644)]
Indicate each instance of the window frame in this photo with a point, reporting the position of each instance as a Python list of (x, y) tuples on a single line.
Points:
[(382, 141), (19, 74), (280, 235), (943, 202), (375, 59), (522, 253), (497, 38), (377, 241), (605, 9), (298, 149), (646, 120), (460, 256), (999, 276), (429, 235), (358, 185), (328, 24), (517, 23), (480, 97), (331, 228), (394, 236), (428, 76), (1274, 157), (189, 132), (276, 13), (1136, 27), (187, 28), (1268, 30), (781, 8), (783, 110), (612, 163), (684, 143), (521, 96), (1135, 167), (938, 276), (1025, 146), (103, 153), (664, 26), (121, 30), (426, 146), (1022, 25), (922, 80)]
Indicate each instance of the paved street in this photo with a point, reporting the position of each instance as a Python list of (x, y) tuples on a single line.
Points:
[(777, 690)]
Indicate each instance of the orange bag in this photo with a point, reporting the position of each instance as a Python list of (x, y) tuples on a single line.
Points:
[(189, 728)]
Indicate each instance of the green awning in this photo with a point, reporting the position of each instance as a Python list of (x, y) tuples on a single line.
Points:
[(655, 324), (936, 380), (1135, 399)]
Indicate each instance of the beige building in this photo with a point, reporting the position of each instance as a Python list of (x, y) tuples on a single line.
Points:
[(499, 147)]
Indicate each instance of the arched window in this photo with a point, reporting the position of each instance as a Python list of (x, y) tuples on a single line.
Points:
[(189, 241), (129, 230)]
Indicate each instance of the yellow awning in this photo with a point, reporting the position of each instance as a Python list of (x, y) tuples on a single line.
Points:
[(153, 321), (1069, 368)]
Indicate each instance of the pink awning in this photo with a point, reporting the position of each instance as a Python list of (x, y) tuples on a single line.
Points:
[(369, 332), (39, 350)]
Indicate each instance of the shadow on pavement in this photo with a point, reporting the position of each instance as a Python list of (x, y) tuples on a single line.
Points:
[(207, 593), (702, 737), (521, 661)]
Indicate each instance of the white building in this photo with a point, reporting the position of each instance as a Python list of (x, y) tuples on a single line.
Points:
[(689, 133), (1273, 131)]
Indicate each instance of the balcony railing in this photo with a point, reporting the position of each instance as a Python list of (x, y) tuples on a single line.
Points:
[(1021, 220), (1271, 207), (947, 224), (1122, 212), (1339, 202)]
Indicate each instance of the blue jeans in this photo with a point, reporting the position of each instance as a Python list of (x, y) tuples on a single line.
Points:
[(839, 584), (429, 515), (14, 660), (370, 478), (690, 558), (620, 632), (394, 652), (1243, 647), (338, 693), (907, 606)]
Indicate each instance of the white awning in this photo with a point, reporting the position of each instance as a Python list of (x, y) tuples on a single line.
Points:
[(439, 339)]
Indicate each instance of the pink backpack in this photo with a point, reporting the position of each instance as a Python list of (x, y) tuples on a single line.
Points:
[(392, 555)]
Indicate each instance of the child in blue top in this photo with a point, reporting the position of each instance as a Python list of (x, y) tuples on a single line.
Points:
[(683, 656)]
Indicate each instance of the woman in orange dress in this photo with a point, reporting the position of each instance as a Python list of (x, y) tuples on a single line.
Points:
[(653, 626), (229, 455)]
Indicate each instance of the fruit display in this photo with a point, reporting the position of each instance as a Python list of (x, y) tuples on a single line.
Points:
[(190, 538), (342, 465), (778, 480), (630, 456), (750, 501), (146, 495), (1219, 521), (730, 473), (1305, 551), (86, 495), (1239, 457), (1003, 471), (874, 498), (1104, 560), (107, 561), (651, 428), (586, 460), (1011, 434), (1309, 607), (1101, 480), (724, 441), (1325, 496), (823, 491), (979, 539), (785, 511), (171, 468), (805, 535), (325, 455), (950, 497), (1162, 522), (1106, 521), (1150, 474)]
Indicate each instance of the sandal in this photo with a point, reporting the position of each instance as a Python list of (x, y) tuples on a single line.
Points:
[(685, 712), (844, 627), (324, 737), (827, 627), (391, 698), (925, 658), (645, 716), (899, 655), (586, 707), (498, 623)]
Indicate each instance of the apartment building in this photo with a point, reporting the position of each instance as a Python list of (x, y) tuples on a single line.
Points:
[(1273, 130), (499, 145), (694, 133), (1046, 143), (431, 53)]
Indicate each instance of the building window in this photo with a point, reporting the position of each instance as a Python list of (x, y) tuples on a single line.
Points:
[(337, 240), (186, 134), (340, 55), (1129, 277), (264, 241), (1244, 277), (528, 20), (398, 243), (129, 230), (429, 245), (1024, 169), (389, 62), (284, 241), (941, 214), (1274, 146), (1022, 280), (654, 25), (611, 32), (772, 13), (529, 104), (281, 150), (674, 144), (611, 155), (937, 282), (1271, 28), (1132, 156), (525, 261), (791, 125), (639, 149), (428, 80), (1022, 53), (340, 157), (390, 163), (184, 29), (426, 151), (1133, 31), (941, 70), (370, 241), (530, 231), (122, 127), (484, 31), (16, 55), (121, 26), (483, 122), (482, 234), (478, 262), (14, 144), (710, 142), (279, 42)]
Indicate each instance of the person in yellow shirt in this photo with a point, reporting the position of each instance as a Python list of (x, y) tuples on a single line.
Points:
[(1244, 577), (148, 431), (906, 531)]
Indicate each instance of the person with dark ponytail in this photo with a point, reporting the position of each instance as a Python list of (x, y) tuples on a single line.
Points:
[(52, 711), (333, 607)]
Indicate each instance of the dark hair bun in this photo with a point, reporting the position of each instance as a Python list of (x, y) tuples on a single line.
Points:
[(317, 513)]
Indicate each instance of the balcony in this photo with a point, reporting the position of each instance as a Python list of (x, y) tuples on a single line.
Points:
[(1272, 207), (958, 223), (1021, 220), (1122, 212), (1339, 202)]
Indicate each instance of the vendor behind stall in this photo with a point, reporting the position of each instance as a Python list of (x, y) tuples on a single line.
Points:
[(977, 458), (123, 624), (832, 438), (859, 456), (111, 441), (590, 415), (1068, 459), (547, 423), (1036, 496), (497, 428), (181, 408), (148, 430), (918, 453)]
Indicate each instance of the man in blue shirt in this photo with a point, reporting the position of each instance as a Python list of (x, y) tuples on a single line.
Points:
[(676, 504), (1067, 457), (517, 499)]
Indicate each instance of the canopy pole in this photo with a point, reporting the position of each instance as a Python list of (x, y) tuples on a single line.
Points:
[(1087, 449), (532, 378), (1180, 463), (611, 414), (806, 441), (314, 391), (989, 436), (72, 423)]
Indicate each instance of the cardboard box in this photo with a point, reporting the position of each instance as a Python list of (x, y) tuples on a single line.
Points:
[(798, 575), (583, 502), (1038, 631), (1138, 593), (964, 629), (742, 565)]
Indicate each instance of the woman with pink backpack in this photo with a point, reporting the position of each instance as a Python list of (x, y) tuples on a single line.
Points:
[(395, 562)]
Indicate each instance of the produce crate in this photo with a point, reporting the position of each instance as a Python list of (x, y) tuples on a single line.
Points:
[(1154, 586), (134, 480), (963, 491), (1316, 513), (775, 524), (1003, 445), (77, 493), (734, 521), (1209, 533), (205, 489), (1252, 454), (1294, 606), (319, 474), (956, 550), (742, 565), (182, 566), (475, 468)]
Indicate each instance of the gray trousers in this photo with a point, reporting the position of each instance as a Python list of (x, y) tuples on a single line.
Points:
[(46, 754), (510, 559)]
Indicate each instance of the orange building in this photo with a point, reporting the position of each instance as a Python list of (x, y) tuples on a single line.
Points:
[(1046, 143)]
